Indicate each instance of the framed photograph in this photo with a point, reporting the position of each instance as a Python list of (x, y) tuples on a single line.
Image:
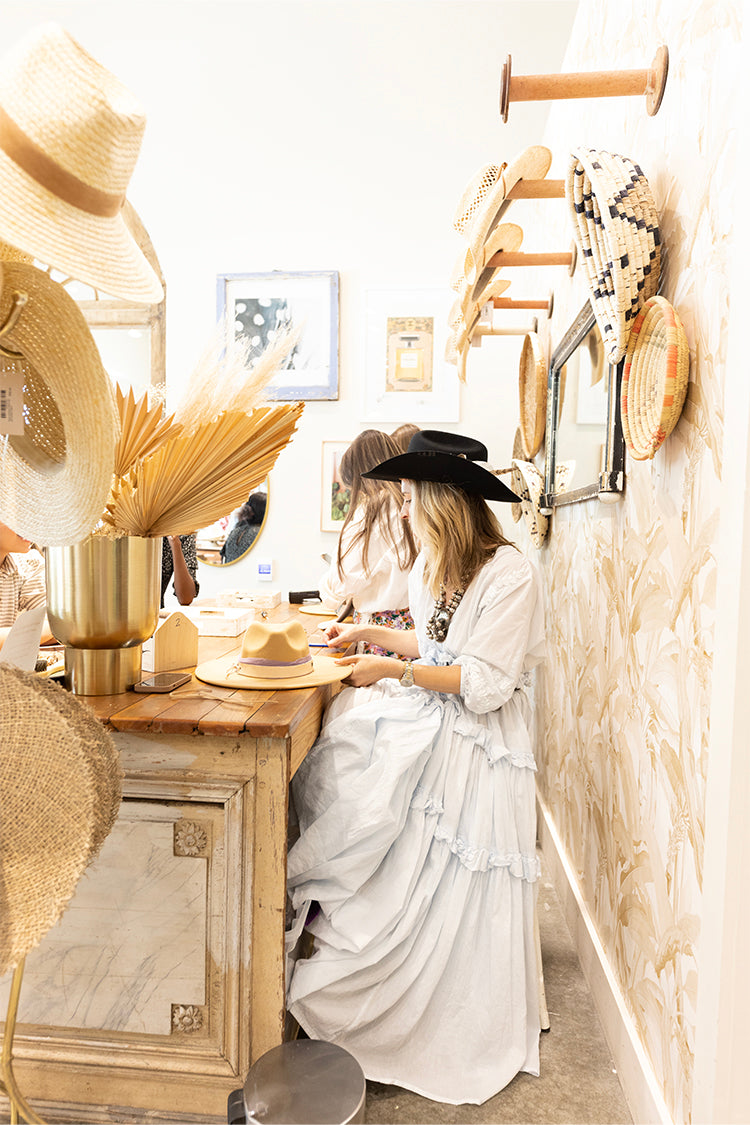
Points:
[(334, 493), (406, 376), (254, 306)]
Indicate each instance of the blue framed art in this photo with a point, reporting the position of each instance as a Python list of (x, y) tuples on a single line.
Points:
[(253, 306)]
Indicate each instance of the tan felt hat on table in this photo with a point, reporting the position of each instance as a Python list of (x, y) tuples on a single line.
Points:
[(616, 229), (532, 394), (655, 378), (60, 790), (56, 476), (273, 655), (70, 135)]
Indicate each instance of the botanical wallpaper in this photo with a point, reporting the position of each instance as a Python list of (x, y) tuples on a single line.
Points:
[(631, 587)]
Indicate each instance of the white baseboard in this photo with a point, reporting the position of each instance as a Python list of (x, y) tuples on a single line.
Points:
[(645, 1099)]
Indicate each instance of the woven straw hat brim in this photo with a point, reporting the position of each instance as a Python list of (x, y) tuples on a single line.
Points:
[(56, 477), (532, 164), (220, 673), (54, 814), (532, 487), (655, 378), (617, 234), (532, 394), (506, 237), (516, 480), (62, 201)]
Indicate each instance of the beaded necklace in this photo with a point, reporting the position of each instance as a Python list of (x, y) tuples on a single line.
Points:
[(437, 626)]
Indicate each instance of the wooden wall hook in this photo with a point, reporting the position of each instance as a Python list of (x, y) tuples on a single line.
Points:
[(537, 189), (508, 303), (506, 258), (587, 84), (488, 330)]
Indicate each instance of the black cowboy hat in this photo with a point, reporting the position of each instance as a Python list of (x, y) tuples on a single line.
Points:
[(445, 458)]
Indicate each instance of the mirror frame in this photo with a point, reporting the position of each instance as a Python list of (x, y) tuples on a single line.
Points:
[(611, 481), (223, 566)]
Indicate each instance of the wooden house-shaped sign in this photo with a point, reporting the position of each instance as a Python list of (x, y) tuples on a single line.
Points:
[(173, 645)]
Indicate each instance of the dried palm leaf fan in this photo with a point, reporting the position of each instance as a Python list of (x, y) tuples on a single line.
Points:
[(143, 428), (193, 479)]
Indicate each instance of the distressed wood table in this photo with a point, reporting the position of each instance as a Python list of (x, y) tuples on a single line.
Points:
[(164, 980)]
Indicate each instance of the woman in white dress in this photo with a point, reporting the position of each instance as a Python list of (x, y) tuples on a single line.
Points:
[(376, 549), (417, 809)]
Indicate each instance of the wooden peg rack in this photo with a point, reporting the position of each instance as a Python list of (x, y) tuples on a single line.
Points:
[(517, 258), (587, 84), (487, 330), (537, 189), (509, 303)]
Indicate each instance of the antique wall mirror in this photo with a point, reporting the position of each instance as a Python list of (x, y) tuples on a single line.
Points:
[(233, 537), (583, 417)]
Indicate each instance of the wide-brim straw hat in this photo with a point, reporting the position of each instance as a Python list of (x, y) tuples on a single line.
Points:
[(70, 135), (60, 790), (445, 458), (55, 477), (655, 378), (532, 394), (484, 203), (616, 230), (273, 655)]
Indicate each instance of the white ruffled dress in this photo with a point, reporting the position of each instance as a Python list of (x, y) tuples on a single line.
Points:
[(418, 839)]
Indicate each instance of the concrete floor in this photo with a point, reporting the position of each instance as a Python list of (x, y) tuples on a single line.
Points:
[(578, 1082)]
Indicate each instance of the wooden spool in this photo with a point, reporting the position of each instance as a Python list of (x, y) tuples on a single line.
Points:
[(591, 84), (506, 258), (508, 303)]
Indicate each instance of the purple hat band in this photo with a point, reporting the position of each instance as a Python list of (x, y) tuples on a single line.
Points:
[(259, 660)]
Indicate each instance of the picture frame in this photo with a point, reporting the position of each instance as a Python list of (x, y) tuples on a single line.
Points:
[(333, 492), (255, 305), (407, 378)]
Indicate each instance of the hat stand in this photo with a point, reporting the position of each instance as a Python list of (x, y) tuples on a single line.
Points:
[(506, 258), (19, 1107), (592, 84)]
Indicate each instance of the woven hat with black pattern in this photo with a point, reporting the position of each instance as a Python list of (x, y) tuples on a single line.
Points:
[(616, 229)]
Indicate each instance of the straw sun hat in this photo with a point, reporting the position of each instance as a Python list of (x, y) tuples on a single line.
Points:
[(273, 655), (60, 790), (70, 134), (55, 477), (617, 233), (532, 394), (655, 378)]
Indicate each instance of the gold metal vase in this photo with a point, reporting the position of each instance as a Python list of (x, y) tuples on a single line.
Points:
[(102, 603)]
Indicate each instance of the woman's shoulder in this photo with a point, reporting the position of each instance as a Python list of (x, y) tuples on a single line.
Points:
[(507, 568)]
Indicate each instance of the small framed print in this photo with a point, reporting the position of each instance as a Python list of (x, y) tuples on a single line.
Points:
[(335, 495), (253, 307)]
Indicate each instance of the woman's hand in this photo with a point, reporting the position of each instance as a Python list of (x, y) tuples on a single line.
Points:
[(368, 670), (340, 636)]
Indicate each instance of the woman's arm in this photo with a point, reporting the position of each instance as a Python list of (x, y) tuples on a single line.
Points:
[(368, 670), (184, 584), (403, 641)]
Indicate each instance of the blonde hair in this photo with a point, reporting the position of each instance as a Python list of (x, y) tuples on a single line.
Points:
[(376, 498), (458, 532)]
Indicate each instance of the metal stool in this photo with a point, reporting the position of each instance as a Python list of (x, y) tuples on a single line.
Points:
[(302, 1082)]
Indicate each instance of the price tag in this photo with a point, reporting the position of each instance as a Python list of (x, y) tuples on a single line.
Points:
[(11, 402)]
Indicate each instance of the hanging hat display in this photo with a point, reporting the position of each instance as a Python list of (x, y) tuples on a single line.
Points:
[(617, 232), (530, 482), (70, 135), (55, 477), (655, 378)]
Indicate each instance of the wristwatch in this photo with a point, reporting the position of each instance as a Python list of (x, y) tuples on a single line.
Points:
[(407, 679)]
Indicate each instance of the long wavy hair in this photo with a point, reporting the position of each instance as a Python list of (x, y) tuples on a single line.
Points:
[(458, 532), (376, 499)]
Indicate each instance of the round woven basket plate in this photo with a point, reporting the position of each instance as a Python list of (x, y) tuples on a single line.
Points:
[(655, 378), (532, 394)]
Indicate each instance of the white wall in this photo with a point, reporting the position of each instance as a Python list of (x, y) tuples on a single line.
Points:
[(327, 134)]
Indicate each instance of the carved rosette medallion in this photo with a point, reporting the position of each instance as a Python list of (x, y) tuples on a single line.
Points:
[(190, 838), (187, 1018)]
